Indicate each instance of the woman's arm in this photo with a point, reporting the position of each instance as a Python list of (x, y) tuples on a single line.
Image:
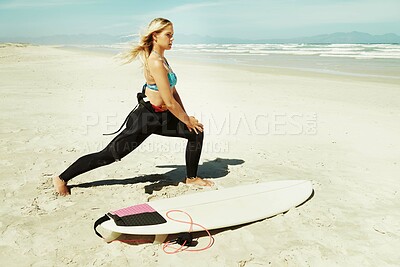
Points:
[(178, 98), (159, 74)]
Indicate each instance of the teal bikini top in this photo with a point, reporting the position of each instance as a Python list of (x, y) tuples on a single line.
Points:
[(171, 78)]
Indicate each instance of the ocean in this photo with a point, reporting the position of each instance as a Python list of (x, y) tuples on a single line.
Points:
[(364, 60)]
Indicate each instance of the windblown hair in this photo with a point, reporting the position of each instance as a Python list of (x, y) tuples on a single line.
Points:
[(145, 46)]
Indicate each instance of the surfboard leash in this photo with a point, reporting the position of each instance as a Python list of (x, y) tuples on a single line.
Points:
[(185, 239)]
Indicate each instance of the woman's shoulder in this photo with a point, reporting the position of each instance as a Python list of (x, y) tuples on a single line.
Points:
[(155, 63)]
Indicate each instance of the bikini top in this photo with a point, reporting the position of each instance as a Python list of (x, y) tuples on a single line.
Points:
[(172, 82), (171, 78)]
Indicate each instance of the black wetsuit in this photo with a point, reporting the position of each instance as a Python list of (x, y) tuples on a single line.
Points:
[(140, 124)]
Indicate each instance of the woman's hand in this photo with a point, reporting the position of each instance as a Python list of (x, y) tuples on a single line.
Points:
[(194, 125)]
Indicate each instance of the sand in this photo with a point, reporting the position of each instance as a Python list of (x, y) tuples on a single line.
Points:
[(340, 132)]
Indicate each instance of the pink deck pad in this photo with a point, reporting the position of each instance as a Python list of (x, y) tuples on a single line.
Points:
[(137, 209)]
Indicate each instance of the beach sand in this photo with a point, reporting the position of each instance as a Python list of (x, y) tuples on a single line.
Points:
[(261, 124)]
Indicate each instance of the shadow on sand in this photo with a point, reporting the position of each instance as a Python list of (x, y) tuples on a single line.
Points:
[(210, 170), (171, 238)]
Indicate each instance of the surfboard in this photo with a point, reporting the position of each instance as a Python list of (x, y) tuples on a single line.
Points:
[(214, 209)]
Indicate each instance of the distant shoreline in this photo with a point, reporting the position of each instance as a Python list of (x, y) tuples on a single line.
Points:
[(373, 69), (353, 37), (281, 58)]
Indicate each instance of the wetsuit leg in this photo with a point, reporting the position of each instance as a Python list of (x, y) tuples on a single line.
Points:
[(175, 128), (87, 163), (141, 124)]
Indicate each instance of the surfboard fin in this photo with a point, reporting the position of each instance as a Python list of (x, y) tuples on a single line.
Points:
[(159, 239), (113, 236)]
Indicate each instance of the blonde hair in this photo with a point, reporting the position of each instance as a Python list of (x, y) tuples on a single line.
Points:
[(145, 46)]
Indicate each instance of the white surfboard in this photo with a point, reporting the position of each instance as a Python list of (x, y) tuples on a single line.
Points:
[(222, 208)]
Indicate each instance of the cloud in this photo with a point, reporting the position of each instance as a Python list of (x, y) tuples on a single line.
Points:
[(193, 6), (180, 9), (23, 4), (307, 13), (355, 11)]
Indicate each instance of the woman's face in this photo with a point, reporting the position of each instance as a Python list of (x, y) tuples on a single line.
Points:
[(166, 37)]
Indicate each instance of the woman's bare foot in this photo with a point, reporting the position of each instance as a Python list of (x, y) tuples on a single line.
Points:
[(60, 186), (199, 181)]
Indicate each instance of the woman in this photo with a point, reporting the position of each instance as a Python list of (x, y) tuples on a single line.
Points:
[(160, 111)]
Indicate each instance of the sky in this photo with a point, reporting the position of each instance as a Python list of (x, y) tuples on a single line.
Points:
[(244, 19)]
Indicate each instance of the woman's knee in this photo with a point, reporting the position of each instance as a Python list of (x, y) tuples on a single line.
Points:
[(200, 136), (196, 137)]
